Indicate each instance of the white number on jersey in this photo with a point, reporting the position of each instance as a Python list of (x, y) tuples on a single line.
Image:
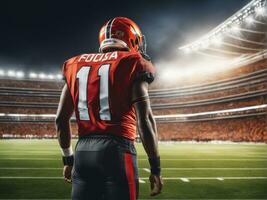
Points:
[(82, 77)]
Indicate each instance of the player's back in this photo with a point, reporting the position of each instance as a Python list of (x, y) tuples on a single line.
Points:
[(100, 85)]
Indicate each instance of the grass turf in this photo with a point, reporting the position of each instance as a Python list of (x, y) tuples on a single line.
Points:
[(245, 165)]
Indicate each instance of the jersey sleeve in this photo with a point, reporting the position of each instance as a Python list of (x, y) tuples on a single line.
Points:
[(144, 71)]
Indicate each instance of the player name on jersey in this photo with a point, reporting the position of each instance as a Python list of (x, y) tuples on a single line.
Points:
[(99, 57)]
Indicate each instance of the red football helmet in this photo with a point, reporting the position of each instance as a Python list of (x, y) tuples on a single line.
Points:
[(122, 32)]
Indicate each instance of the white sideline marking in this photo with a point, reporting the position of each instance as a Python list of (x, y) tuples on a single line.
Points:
[(207, 159), (220, 179), (146, 169), (31, 177), (29, 159), (141, 181), (143, 178), (167, 159), (213, 178), (216, 168), (185, 180), (144, 199), (31, 168)]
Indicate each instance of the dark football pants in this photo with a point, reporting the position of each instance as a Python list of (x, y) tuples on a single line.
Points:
[(105, 169)]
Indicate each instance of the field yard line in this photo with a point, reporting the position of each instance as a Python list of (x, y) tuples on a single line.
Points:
[(31, 177), (185, 180), (215, 168), (207, 159), (210, 178), (31, 168), (167, 159), (145, 169), (21, 155), (143, 178), (141, 181), (143, 199), (29, 158)]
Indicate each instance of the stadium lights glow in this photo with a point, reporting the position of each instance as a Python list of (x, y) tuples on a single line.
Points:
[(30, 75), (235, 29), (26, 115), (42, 76), (59, 76), (249, 20), (169, 74), (217, 41), (50, 76), (188, 50), (33, 75), (174, 71), (260, 11), (205, 45), (11, 73), (231, 24), (19, 74)]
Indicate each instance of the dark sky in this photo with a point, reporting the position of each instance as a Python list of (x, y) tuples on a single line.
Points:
[(39, 35)]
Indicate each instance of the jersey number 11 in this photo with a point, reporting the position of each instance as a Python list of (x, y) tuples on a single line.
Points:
[(82, 76)]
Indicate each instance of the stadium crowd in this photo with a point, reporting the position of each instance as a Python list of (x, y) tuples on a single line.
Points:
[(250, 129), (41, 97)]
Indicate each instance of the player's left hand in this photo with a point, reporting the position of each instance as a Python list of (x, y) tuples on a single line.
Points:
[(67, 173)]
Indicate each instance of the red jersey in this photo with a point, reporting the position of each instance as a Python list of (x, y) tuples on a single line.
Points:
[(101, 87)]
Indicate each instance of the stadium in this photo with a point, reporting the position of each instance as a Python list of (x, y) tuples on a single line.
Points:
[(211, 119)]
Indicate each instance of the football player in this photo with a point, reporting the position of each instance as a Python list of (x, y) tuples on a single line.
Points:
[(109, 93)]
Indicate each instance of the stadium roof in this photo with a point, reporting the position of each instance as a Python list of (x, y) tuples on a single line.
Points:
[(241, 35)]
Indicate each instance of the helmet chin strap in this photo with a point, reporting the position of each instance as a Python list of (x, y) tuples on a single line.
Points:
[(112, 43)]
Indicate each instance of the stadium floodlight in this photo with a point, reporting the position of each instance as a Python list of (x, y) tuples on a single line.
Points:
[(11, 73), (2, 72), (33, 75), (249, 20), (260, 11), (42, 76), (59, 76), (235, 29), (19, 74), (50, 76)]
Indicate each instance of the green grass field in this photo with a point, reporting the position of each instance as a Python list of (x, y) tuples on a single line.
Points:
[(32, 169)]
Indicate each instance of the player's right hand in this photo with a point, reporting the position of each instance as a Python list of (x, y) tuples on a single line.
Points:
[(67, 173), (156, 184)]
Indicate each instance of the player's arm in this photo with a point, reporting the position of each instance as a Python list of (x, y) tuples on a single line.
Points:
[(148, 132), (64, 113)]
